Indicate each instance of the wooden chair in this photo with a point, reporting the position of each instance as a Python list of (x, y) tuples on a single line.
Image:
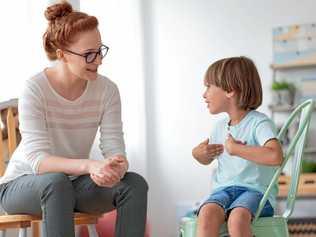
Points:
[(8, 143)]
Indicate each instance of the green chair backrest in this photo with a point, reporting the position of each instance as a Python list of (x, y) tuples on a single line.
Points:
[(295, 150)]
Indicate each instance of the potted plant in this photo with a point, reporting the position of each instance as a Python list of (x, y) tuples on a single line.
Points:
[(283, 93)]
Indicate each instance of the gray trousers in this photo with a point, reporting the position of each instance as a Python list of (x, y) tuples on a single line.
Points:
[(56, 197)]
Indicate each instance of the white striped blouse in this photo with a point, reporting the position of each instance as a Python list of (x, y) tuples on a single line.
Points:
[(53, 125)]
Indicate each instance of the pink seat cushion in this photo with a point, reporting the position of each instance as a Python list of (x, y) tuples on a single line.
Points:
[(106, 226)]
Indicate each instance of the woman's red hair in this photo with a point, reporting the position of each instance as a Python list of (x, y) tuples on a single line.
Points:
[(63, 26)]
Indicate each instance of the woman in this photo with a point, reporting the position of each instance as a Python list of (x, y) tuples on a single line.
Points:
[(60, 111)]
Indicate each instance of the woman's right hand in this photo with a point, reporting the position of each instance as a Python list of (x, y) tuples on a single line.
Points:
[(103, 173), (205, 152)]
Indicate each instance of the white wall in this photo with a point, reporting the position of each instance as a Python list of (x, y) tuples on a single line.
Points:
[(182, 37), (22, 25), (120, 24)]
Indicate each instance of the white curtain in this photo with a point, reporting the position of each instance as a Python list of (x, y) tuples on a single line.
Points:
[(120, 25)]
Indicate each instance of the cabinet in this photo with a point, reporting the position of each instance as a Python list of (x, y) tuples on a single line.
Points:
[(303, 220), (296, 44), (307, 185)]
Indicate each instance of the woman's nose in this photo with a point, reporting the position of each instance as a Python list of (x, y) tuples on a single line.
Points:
[(98, 60)]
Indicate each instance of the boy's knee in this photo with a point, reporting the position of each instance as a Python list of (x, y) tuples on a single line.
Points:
[(211, 213), (238, 217)]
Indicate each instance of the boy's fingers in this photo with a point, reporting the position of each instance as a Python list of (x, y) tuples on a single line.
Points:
[(215, 146), (229, 136), (219, 150), (206, 141), (215, 149)]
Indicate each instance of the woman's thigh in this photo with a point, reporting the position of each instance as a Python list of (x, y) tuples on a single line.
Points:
[(27, 193), (91, 198), (130, 192)]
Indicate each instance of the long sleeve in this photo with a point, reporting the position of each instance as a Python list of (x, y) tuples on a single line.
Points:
[(111, 139), (35, 139), (51, 125)]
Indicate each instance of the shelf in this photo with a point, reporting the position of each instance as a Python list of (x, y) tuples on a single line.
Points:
[(283, 108), (293, 65), (310, 150), (306, 186)]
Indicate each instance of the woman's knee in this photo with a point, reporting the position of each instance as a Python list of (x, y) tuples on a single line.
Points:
[(58, 182), (136, 181)]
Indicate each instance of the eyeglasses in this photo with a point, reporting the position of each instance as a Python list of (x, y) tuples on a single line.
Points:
[(91, 56)]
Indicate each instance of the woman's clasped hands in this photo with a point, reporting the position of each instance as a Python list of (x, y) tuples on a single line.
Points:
[(108, 172)]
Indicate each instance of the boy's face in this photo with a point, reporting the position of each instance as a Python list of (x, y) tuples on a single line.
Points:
[(216, 99)]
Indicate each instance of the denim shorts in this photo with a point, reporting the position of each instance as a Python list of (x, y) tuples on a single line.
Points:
[(236, 196)]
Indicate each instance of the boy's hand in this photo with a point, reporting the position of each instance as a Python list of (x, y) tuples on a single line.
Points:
[(230, 144), (205, 152)]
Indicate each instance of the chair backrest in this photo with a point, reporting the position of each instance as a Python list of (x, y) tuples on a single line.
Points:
[(8, 135), (294, 150)]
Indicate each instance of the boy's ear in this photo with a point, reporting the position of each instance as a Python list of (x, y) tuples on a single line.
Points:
[(230, 94)]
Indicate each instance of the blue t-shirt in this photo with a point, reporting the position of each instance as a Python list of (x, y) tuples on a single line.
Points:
[(255, 129)]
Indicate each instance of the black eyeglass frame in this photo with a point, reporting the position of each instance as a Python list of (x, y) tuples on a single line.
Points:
[(96, 53)]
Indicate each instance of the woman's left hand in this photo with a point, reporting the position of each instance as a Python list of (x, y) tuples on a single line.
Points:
[(119, 164), (103, 181)]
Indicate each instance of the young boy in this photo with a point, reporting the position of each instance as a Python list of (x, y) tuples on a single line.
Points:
[(245, 146)]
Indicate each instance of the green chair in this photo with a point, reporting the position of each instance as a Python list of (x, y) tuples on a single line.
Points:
[(275, 226)]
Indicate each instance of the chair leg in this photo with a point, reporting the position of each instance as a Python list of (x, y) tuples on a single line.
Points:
[(3, 233), (36, 229), (92, 231), (22, 232), (77, 230)]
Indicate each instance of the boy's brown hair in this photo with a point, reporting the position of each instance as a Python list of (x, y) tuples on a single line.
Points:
[(237, 74)]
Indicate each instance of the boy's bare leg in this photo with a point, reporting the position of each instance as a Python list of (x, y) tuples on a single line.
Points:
[(239, 222), (210, 219)]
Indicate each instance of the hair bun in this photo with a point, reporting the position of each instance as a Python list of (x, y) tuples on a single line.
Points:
[(58, 10)]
